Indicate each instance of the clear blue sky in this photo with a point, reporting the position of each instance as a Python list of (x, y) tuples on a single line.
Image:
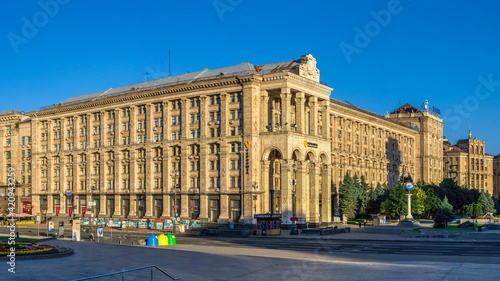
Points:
[(377, 55)]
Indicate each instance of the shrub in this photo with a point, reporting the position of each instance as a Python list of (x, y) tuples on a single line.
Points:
[(442, 217)]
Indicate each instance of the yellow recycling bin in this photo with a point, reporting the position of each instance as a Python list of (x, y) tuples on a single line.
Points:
[(162, 240)]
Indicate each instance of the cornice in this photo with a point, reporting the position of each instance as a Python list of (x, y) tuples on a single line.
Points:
[(11, 118), (138, 94), (363, 116), (294, 78)]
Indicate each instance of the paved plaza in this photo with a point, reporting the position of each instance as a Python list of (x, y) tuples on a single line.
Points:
[(194, 262)]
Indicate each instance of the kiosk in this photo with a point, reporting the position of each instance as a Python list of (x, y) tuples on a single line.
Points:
[(268, 224)]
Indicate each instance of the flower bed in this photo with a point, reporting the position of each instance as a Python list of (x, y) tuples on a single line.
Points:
[(30, 249)]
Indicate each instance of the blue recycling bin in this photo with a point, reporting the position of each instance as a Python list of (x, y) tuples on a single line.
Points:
[(152, 240)]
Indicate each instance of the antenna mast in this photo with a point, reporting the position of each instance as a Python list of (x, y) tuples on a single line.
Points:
[(169, 65)]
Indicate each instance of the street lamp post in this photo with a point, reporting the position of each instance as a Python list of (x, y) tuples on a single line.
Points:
[(408, 185), (92, 202)]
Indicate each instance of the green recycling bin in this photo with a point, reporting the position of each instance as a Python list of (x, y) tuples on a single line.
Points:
[(170, 239), (174, 240)]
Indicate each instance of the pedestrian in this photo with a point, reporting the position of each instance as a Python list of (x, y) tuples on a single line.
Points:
[(91, 237), (364, 223), (359, 223)]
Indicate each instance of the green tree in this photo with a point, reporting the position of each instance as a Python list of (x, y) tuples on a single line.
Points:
[(446, 205), (432, 201), (377, 196), (396, 204), (363, 196), (492, 205), (488, 206), (442, 217), (473, 209), (418, 199), (348, 198)]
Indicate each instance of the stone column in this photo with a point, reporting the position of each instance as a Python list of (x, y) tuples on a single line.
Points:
[(166, 183), (133, 126), (285, 108), (103, 205), (184, 180), (149, 205), (300, 112), (118, 127), (204, 212), (264, 108), (224, 188), (326, 194), (185, 120), (149, 123), (62, 203), (101, 190), (286, 192), (50, 204), (224, 112), (263, 203), (204, 118), (133, 206), (314, 194), (302, 193), (325, 105), (132, 177), (313, 104), (118, 206)]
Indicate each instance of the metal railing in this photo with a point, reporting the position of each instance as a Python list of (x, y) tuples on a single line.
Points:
[(123, 272)]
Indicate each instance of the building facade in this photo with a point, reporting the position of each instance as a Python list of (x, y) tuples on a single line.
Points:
[(496, 176), (15, 152), (218, 145), (468, 164)]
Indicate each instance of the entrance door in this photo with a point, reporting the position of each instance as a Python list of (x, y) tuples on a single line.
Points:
[(214, 210), (194, 207), (125, 207), (111, 207), (158, 208), (235, 210)]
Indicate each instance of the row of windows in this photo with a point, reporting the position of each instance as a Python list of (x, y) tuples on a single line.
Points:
[(234, 165), (194, 182), (157, 137)]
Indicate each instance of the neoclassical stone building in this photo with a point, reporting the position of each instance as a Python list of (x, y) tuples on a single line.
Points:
[(469, 165), (218, 145), (15, 151)]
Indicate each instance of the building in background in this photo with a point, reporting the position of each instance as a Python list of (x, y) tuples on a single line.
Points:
[(428, 159), (468, 164), (216, 145), (15, 151), (496, 176)]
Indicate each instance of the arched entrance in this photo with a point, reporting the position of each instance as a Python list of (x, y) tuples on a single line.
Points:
[(274, 182)]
